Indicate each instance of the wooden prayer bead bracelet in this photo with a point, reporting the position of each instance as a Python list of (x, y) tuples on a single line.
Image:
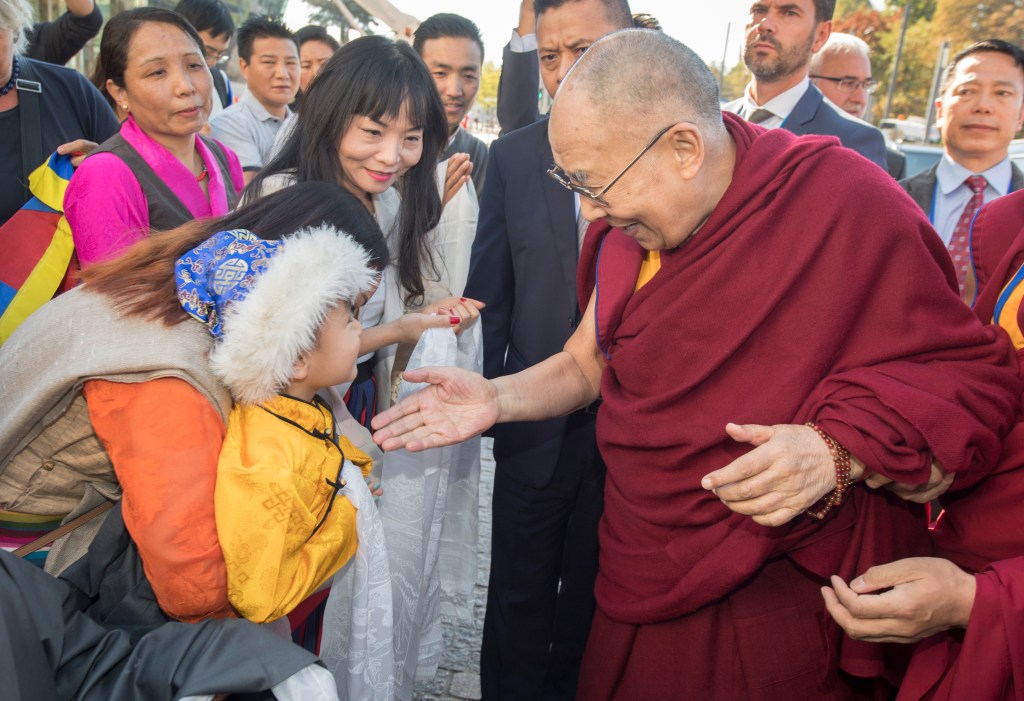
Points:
[(841, 460)]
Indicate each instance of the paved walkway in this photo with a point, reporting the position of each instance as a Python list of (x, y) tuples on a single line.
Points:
[(458, 677)]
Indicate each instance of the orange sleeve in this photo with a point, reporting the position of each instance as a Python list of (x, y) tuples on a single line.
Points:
[(164, 438)]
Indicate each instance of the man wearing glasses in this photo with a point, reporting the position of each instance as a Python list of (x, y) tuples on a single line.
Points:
[(746, 327), (549, 476), (781, 37), (841, 70), (212, 20)]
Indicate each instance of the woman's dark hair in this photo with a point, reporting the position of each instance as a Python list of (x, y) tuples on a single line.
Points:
[(117, 36), (375, 77), (141, 281)]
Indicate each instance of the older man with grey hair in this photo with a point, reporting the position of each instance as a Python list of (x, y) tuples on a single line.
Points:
[(841, 70), (748, 344)]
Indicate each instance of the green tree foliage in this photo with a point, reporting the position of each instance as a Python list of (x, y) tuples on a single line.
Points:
[(919, 9), (917, 67), (963, 23), (846, 7), (326, 14), (489, 76)]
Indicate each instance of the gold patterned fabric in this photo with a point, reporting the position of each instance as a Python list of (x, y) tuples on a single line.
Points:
[(281, 527)]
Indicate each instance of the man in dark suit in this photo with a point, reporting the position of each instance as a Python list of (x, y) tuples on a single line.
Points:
[(517, 85), (548, 490), (781, 36), (979, 109), (841, 70)]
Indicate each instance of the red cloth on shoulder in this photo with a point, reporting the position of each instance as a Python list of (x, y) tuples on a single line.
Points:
[(795, 302), (982, 528), (997, 248)]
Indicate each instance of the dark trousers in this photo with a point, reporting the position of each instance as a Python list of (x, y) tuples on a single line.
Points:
[(540, 598)]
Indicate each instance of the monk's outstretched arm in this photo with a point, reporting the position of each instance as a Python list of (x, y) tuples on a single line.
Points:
[(559, 385), (459, 404)]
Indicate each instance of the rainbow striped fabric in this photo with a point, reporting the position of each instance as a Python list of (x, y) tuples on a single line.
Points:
[(17, 529), (1008, 306), (37, 247)]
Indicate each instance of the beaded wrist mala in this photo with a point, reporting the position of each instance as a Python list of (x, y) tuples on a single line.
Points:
[(841, 460)]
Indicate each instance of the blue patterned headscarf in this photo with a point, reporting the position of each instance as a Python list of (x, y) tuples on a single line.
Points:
[(219, 272)]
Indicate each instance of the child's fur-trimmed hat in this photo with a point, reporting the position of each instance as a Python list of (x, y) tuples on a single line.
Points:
[(265, 301)]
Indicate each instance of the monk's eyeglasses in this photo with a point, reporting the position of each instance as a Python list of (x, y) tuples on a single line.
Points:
[(563, 179)]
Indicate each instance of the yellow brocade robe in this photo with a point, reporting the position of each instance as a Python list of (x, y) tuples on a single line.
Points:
[(273, 489)]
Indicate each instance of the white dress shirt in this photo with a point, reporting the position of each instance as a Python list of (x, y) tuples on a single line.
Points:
[(952, 194), (780, 105)]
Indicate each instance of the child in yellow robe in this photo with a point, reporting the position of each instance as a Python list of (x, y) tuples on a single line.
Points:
[(283, 313)]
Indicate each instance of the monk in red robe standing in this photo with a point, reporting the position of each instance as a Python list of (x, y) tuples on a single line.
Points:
[(968, 603), (769, 320)]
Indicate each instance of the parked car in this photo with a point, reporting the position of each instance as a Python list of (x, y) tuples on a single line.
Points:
[(923, 156), (1017, 153)]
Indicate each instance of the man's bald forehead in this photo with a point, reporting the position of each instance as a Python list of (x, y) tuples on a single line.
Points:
[(636, 73)]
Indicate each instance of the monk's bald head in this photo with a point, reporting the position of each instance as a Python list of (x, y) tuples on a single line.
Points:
[(638, 77), (637, 130)]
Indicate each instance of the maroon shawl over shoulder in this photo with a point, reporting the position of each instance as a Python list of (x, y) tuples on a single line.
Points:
[(815, 292), (982, 528)]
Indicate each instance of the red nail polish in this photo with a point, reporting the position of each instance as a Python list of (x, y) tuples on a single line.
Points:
[(454, 319), (76, 154), (462, 299)]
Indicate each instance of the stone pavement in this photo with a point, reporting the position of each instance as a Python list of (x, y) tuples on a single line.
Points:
[(458, 676)]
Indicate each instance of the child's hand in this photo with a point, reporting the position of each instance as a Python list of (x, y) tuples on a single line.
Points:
[(412, 325), (375, 488)]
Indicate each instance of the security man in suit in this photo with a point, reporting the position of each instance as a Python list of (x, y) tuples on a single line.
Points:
[(549, 482), (979, 109), (781, 36), (841, 70)]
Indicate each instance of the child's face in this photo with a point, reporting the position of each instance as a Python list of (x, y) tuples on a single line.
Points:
[(334, 360)]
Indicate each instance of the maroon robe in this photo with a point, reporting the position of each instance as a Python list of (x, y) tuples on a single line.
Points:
[(982, 528), (816, 291)]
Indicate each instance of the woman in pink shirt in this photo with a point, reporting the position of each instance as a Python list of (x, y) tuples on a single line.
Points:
[(157, 173)]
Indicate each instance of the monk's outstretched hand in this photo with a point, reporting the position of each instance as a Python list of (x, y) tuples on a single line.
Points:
[(787, 472), (456, 405), (920, 596)]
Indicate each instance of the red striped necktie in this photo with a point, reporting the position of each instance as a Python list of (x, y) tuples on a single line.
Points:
[(960, 244)]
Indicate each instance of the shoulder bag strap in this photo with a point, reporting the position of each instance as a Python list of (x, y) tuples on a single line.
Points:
[(63, 530), (29, 89), (225, 170)]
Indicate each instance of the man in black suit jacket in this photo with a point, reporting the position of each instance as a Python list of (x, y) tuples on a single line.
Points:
[(780, 41), (980, 108), (517, 85), (841, 70), (548, 490)]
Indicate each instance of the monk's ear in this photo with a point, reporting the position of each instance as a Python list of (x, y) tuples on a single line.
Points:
[(688, 148)]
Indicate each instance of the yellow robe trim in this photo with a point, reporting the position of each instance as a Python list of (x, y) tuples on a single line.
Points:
[(648, 268), (271, 493)]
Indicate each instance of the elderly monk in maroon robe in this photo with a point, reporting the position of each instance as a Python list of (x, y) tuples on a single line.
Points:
[(971, 601), (740, 284)]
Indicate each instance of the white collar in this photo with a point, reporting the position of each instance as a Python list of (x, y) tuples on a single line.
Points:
[(780, 105), (950, 175)]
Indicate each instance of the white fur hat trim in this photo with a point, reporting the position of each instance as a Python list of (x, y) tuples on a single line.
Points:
[(279, 320)]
